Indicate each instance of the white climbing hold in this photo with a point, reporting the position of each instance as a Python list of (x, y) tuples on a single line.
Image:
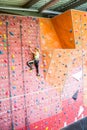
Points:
[(81, 110), (65, 124), (78, 76)]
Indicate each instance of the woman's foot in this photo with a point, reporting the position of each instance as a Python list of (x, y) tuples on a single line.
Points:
[(38, 74)]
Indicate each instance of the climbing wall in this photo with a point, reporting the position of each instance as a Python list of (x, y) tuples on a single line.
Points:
[(24, 97), (5, 105), (58, 97), (80, 23), (49, 42)]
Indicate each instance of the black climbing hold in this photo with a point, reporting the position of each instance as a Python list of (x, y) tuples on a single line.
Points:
[(75, 95)]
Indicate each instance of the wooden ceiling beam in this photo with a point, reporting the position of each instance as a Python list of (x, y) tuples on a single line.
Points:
[(47, 5), (30, 3)]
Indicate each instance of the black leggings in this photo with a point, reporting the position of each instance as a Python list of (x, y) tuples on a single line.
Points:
[(36, 63)]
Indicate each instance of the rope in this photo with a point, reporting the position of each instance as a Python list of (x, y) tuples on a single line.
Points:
[(9, 80), (26, 121)]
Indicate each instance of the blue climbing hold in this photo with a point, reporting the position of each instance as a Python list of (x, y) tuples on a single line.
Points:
[(1, 52)]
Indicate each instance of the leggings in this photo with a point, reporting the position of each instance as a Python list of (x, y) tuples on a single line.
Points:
[(36, 63)]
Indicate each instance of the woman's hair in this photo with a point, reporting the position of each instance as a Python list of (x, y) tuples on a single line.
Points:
[(36, 48)]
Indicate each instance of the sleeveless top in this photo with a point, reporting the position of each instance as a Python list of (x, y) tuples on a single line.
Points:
[(36, 56)]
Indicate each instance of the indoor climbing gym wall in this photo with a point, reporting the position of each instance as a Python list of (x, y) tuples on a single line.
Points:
[(56, 98)]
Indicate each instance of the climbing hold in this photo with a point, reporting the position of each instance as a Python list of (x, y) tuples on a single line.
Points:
[(4, 36), (13, 56), (65, 124), (4, 40), (44, 55), (41, 66), (36, 127), (49, 72), (29, 41), (45, 109), (8, 111), (71, 39), (13, 60), (70, 31), (44, 63), (7, 93), (43, 36), (76, 42), (75, 95), (45, 70), (7, 23), (81, 110), (12, 67), (5, 48), (5, 45), (0, 22), (1, 52), (41, 23), (50, 55), (11, 33), (78, 75), (14, 87), (1, 34), (46, 128), (85, 14), (37, 102), (5, 61)]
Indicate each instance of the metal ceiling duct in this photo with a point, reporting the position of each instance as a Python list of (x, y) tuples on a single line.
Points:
[(30, 10)]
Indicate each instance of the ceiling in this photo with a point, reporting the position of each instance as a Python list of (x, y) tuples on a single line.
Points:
[(40, 8)]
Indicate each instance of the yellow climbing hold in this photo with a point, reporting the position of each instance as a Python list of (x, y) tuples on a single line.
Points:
[(5, 48), (12, 67), (46, 128), (0, 22), (41, 23), (13, 56), (4, 36)]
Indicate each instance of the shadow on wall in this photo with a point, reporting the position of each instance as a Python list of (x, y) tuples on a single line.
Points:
[(79, 125)]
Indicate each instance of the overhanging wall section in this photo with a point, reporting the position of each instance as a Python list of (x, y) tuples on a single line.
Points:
[(64, 29)]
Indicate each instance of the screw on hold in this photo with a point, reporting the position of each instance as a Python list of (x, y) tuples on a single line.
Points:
[(70, 31), (44, 70)]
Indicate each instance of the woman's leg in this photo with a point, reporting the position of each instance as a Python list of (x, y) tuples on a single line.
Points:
[(36, 62), (30, 63)]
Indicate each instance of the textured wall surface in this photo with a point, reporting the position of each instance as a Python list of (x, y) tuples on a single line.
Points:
[(59, 96), (64, 28)]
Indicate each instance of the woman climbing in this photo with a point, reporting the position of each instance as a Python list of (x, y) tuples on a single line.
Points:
[(35, 61)]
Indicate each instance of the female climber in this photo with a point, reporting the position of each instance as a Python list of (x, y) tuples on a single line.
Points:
[(35, 61)]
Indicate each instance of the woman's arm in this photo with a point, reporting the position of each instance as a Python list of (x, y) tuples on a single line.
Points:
[(32, 51)]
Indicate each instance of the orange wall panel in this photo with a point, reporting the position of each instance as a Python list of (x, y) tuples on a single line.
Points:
[(49, 38), (64, 29)]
